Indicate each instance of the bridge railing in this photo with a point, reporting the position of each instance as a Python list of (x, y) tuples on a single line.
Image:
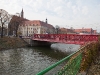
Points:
[(65, 38), (72, 66), (73, 60)]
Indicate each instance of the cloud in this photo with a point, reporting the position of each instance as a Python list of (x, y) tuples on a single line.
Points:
[(74, 8), (85, 10), (59, 12), (69, 4)]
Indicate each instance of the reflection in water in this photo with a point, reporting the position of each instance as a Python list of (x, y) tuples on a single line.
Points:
[(67, 48), (27, 61)]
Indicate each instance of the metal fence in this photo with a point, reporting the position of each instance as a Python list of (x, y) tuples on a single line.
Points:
[(71, 67)]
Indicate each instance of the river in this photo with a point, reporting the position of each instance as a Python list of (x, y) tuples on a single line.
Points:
[(31, 60)]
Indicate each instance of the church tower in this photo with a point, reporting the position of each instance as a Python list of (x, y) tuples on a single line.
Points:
[(46, 21), (22, 14)]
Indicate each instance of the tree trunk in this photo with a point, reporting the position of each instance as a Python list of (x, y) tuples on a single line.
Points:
[(16, 32), (2, 31)]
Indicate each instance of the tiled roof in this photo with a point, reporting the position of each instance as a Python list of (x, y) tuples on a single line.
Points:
[(37, 23), (67, 30), (63, 29), (95, 31), (84, 29)]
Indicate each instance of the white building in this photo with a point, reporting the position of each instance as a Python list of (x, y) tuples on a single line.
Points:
[(28, 28)]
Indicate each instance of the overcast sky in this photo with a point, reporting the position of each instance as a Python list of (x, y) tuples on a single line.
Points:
[(65, 13)]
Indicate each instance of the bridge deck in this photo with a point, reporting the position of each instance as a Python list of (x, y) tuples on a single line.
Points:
[(65, 38)]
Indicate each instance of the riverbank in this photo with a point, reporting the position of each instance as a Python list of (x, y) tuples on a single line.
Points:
[(95, 67), (11, 42), (90, 64)]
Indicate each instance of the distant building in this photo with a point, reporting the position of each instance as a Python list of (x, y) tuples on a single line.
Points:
[(20, 25), (28, 28), (14, 23), (63, 31), (66, 31), (85, 31), (78, 31), (22, 14)]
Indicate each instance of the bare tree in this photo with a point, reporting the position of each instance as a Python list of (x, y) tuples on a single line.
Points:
[(14, 24), (57, 29), (4, 20)]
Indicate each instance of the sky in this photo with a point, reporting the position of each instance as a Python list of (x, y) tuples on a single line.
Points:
[(64, 13)]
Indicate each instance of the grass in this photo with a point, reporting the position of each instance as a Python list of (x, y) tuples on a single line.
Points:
[(8, 43)]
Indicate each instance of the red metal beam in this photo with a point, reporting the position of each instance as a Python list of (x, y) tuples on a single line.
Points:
[(65, 38)]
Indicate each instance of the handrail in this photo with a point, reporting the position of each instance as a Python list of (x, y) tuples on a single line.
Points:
[(57, 63)]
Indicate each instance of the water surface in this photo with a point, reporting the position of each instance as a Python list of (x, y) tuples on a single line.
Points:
[(28, 60)]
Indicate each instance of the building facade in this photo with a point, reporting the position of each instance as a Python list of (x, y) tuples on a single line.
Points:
[(28, 28), (78, 31), (85, 31)]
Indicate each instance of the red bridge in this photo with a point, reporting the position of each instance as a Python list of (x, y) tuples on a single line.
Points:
[(65, 38)]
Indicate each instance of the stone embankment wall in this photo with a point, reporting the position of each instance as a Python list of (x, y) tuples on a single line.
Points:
[(11, 42)]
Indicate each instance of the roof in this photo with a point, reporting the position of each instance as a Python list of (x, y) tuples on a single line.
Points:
[(36, 23), (67, 30), (83, 29), (63, 29)]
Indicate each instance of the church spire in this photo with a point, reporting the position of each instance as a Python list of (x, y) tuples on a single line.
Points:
[(46, 20), (22, 13)]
